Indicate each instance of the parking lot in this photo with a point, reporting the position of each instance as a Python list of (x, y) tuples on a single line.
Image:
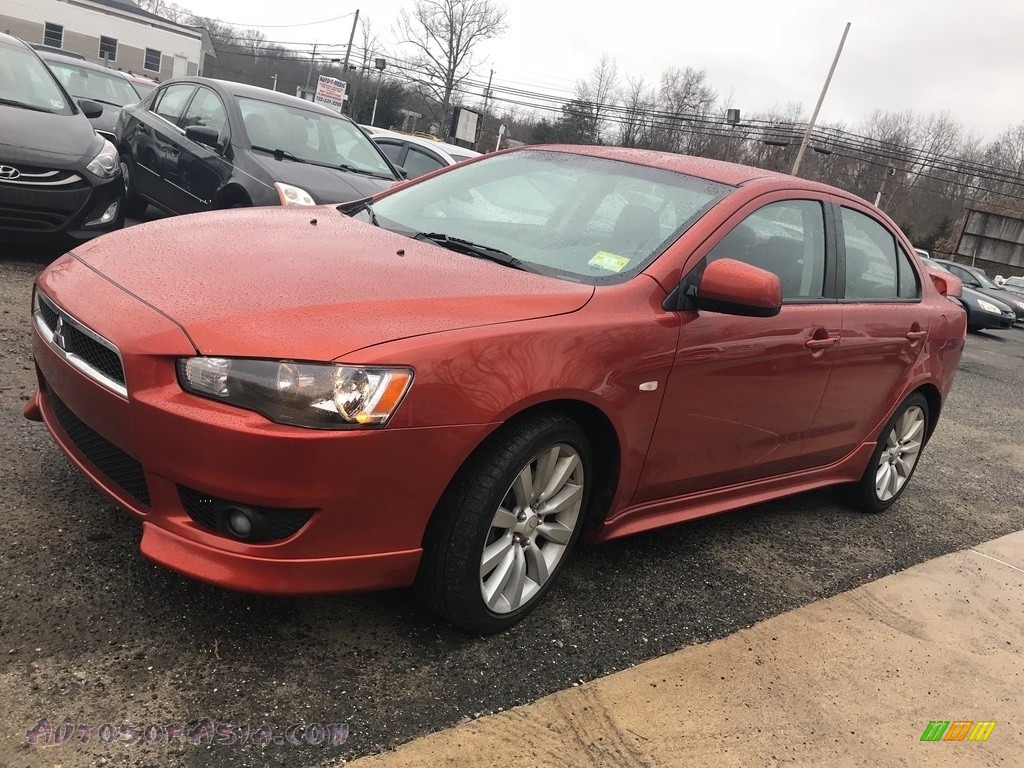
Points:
[(92, 633)]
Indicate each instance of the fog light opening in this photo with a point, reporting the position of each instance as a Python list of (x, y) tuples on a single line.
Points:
[(240, 522), (108, 216)]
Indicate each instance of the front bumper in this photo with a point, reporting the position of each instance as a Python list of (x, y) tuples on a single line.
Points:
[(60, 215), (371, 492)]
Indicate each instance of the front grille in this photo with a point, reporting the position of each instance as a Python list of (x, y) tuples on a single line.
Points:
[(208, 511), (109, 460), (33, 177), (76, 343)]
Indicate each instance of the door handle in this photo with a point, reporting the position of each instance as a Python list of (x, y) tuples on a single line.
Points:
[(831, 341), (916, 335)]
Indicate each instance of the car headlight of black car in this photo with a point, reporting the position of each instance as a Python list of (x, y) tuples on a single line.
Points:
[(106, 164), (318, 395)]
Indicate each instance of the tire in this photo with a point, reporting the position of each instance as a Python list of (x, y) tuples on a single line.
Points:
[(888, 473), (498, 508), (134, 206)]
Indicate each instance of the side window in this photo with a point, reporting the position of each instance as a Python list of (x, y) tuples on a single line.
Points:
[(871, 270), (909, 287), (206, 110), (171, 103), (393, 151), (418, 162), (787, 238)]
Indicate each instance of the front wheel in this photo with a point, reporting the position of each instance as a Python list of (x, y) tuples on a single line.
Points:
[(134, 206), (506, 526), (894, 459)]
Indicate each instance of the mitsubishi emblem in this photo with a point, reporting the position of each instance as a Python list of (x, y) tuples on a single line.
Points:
[(58, 333)]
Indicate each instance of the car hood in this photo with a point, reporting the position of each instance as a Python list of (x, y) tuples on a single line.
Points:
[(108, 120), (312, 283), (44, 139), (998, 296), (326, 185)]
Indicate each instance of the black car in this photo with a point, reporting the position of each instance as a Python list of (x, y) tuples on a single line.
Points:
[(84, 80), (59, 180), (977, 280), (196, 144), (982, 310)]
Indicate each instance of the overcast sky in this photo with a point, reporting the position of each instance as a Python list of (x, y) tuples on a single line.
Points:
[(925, 55)]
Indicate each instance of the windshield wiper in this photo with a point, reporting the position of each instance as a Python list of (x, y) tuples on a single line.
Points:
[(23, 105), (357, 206), (361, 171), (279, 154), (473, 249)]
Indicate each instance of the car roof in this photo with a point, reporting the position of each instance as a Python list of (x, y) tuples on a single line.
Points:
[(255, 92), (421, 141), (71, 60), (13, 42)]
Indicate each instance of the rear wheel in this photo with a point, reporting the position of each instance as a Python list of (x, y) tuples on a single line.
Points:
[(894, 459), (507, 525)]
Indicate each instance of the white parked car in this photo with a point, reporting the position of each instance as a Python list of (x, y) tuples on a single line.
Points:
[(416, 154)]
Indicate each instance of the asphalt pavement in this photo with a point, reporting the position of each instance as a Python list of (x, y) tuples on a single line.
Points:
[(91, 633)]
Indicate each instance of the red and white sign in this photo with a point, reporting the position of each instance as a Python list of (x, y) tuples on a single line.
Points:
[(330, 91)]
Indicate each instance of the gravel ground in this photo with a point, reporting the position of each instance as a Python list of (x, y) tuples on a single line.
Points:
[(92, 633)]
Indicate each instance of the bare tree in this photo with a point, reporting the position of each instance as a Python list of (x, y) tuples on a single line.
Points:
[(635, 126), (445, 35), (600, 90)]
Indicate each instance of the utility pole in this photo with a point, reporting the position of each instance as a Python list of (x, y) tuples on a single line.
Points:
[(275, 81), (487, 98), (310, 73), (890, 171), (348, 51), (817, 107)]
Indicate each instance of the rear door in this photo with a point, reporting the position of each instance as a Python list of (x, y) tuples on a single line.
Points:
[(885, 327)]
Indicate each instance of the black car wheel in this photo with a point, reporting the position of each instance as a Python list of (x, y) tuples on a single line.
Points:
[(894, 459), (134, 206), (507, 524)]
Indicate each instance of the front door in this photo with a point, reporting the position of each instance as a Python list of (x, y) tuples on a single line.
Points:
[(741, 399)]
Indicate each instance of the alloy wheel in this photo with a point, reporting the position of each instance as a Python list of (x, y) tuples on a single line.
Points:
[(901, 452), (532, 528)]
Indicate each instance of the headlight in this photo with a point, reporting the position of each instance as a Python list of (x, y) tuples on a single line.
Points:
[(988, 306), (106, 164), (293, 195), (318, 395), (1018, 304)]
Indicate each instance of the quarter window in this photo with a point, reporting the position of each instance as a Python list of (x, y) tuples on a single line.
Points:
[(53, 35), (152, 60), (393, 151), (909, 287), (787, 238), (108, 48)]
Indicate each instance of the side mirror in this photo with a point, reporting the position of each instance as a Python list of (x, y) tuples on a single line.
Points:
[(734, 288), (201, 134), (946, 283), (90, 109), (402, 172)]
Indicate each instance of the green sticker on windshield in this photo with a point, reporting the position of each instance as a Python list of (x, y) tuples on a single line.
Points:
[(610, 261)]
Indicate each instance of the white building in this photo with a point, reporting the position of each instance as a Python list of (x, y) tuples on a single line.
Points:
[(112, 32)]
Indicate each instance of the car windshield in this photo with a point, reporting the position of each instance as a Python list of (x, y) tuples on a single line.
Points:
[(26, 82), (1014, 282), (311, 137), (574, 216), (144, 89), (85, 83), (985, 280)]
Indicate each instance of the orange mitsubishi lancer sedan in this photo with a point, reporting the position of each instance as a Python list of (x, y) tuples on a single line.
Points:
[(448, 384)]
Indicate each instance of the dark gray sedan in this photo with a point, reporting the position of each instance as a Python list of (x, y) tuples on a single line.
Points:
[(197, 144)]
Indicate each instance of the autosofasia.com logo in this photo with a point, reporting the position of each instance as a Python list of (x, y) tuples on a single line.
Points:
[(958, 730)]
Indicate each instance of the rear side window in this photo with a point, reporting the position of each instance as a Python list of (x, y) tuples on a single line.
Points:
[(787, 238), (171, 103), (909, 288), (871, 269)]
